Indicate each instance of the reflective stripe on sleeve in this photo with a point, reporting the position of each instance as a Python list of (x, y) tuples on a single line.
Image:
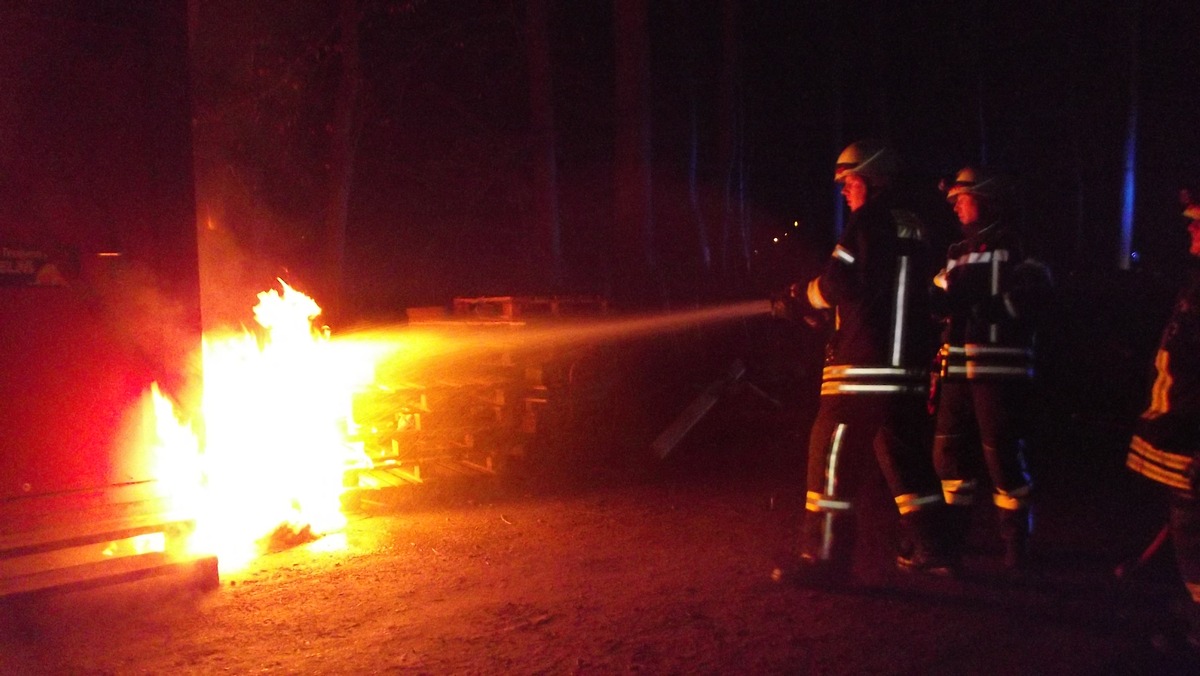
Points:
[(1154, 472), (1174, 461), (814, 295), (1157, 465)]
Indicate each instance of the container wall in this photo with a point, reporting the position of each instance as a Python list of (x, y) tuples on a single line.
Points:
[(98, 266)]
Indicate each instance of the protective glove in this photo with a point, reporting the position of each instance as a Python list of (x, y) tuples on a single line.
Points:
[(786, 304), (792, 304)]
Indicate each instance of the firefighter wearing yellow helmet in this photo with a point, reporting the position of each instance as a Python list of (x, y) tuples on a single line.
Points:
[(876, 375), (990, 297), (873, 162)]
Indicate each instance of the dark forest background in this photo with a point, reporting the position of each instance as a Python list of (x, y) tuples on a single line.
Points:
[(396, 153)]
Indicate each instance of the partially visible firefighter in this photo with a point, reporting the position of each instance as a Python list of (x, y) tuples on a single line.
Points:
[(874, 386), (1166, 442), (990, 297)]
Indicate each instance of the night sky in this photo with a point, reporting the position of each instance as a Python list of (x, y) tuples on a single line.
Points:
[(442, 199)]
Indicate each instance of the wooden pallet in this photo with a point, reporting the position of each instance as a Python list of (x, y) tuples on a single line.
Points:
[(82, 540), (200, 571)]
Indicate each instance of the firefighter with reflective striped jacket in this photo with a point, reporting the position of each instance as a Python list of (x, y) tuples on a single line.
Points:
[(1166, 442), (990, 297), (875, 380)]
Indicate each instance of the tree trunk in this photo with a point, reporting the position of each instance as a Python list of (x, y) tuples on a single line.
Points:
[(698, 253), (547, 238), (633, 212), (342, 143), (838, 95), (978, 40), (1129, 176), (703, 250), (735, 240)]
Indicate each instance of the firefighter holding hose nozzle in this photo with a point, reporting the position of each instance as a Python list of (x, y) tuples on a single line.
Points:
[(875, 379)]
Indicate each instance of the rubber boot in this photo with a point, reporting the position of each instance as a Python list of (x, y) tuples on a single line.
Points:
[(957, 526), (1016, 525), (1191, 637), (923, 533), (1179, 640), (826, 551)]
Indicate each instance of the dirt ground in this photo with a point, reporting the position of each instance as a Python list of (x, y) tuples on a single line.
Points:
[(660, 569)]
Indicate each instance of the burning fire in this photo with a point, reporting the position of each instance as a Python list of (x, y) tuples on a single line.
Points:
[(278, 431), (276, 408)]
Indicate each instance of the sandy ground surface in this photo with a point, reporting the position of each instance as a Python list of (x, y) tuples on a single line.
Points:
[(666, 570)]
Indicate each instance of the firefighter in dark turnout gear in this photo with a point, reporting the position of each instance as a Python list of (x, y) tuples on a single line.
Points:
[(990, 297), (1166, 442), (875, 380)]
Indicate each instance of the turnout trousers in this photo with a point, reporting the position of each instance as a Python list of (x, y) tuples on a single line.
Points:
[(980, 428), (1184, 514), (850, 432)]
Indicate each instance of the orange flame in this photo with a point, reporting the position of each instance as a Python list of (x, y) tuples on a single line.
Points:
[(275, 412), (276, 407)]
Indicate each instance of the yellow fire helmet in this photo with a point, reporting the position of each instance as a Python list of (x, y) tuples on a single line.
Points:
[(872, 161), (972, 181)]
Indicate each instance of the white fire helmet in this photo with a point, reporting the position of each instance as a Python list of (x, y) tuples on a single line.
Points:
[(871, 161), (972, 181)]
